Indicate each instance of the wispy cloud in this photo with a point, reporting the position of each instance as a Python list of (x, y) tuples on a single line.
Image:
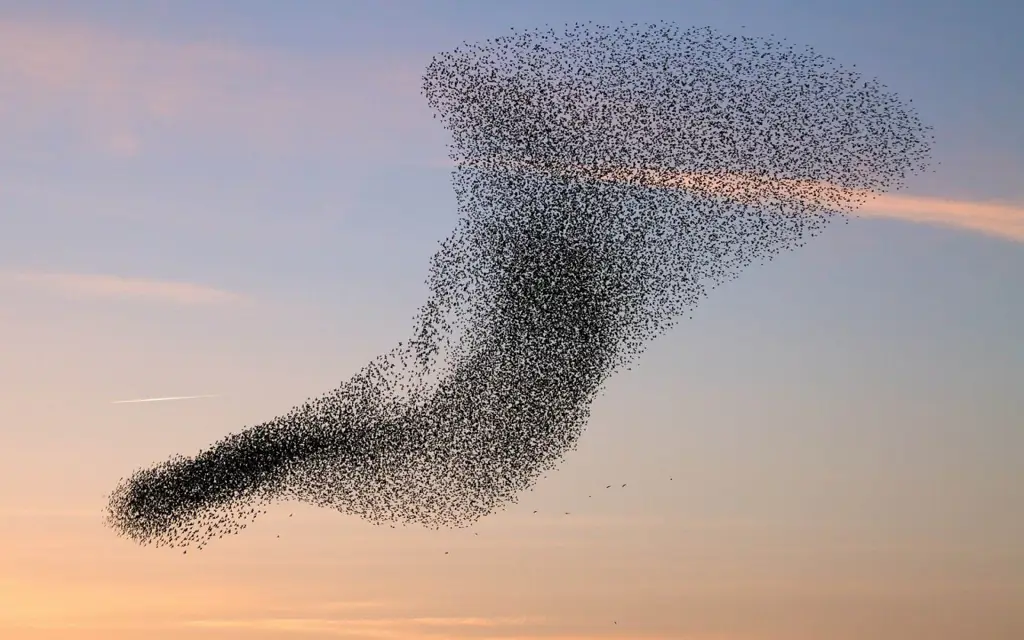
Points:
[(80, 285), (1001, 220), (165, 399), (995, 219), (522, 628), (39, 604), (474, 622), (119, 91), (366, 627)]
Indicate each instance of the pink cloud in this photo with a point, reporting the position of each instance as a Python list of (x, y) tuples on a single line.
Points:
[(123, 144), (996, 219), (1001, 220), (79, 285), (116, 90)]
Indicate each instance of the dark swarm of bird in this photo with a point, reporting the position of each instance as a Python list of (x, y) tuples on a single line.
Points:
[(606, 179)]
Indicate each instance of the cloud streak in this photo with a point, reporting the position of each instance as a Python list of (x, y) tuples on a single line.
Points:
[(77, 285), (1005, 221), (165, 399), (1000, 220), (370, 627)]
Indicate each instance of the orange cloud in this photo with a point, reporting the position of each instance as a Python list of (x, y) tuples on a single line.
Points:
[(1001, 220), (48, 606), (44, 604), (105, 286), (365, 627)]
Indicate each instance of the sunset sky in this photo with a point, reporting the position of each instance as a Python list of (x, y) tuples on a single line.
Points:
[(238, 200)]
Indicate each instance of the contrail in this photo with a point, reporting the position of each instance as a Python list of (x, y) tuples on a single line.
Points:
[(162, 399)]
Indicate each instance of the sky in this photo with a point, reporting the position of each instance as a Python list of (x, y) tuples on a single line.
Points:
[(238, 200)]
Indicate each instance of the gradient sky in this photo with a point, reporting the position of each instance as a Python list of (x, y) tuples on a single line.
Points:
[(240, 199)]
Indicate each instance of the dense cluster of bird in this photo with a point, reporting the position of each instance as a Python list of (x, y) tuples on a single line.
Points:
[(606, 179)]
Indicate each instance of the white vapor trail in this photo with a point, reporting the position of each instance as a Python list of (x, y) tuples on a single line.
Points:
[(162, 399)]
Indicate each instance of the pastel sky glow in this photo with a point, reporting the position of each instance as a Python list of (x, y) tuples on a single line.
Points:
[(238, 201)]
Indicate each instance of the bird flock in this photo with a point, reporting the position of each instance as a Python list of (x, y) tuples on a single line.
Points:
[(606, 178)]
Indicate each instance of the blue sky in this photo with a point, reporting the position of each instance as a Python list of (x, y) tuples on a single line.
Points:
[(240, 198)]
